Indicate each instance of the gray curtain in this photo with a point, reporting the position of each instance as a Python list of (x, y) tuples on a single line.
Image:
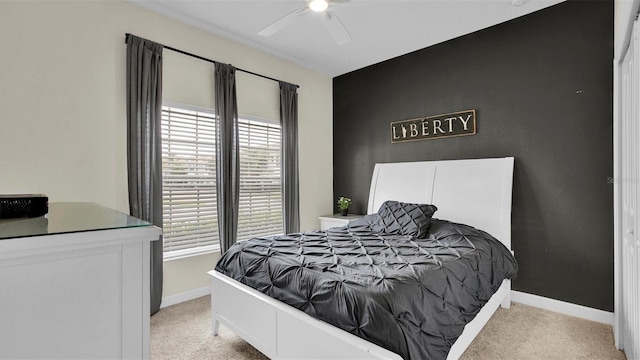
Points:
[(144, 153), (228, 154), (289, 125)]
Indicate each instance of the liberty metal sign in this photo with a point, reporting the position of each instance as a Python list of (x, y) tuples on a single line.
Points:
[(460, 123)]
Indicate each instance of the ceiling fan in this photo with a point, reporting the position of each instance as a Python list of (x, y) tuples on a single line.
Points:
[(336, 28)]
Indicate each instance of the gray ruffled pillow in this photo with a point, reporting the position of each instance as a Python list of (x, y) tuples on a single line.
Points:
[(405, 218)]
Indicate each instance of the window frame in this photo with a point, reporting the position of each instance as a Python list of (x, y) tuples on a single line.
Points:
[(208, 249)]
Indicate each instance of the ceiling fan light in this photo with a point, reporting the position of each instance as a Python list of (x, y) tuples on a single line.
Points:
[(318, 5)]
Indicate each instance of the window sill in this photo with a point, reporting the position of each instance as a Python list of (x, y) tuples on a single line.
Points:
[(182, 254)]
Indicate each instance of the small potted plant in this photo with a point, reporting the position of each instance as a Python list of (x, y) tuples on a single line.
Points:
[(343, 204)]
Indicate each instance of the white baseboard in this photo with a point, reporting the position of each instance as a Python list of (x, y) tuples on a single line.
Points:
[(185, 296), (562, 307)]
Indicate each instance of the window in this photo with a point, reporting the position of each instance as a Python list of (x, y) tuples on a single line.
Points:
[(189, 180), (260, 211)]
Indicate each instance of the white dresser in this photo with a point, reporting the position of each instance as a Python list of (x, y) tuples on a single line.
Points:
[(335, 220), (74, 284)]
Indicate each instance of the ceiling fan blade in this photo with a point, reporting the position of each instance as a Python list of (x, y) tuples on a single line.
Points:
[(336, 28), (281, 23)]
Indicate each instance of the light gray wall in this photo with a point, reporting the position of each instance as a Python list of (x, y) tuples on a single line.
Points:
[(62, 105)]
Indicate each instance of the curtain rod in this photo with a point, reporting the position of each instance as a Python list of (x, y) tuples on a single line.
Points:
[(211, 61)]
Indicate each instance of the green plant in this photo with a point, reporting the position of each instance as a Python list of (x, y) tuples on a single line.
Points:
[(343, 202)]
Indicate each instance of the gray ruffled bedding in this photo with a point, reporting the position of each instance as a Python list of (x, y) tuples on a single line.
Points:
[(410, 295)]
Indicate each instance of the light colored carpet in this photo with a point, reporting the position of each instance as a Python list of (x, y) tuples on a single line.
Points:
[(183, 331)]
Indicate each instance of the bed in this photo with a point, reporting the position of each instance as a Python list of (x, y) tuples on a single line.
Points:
[(469, 195)]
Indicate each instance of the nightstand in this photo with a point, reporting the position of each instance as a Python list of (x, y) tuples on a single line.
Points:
[(335, 220)]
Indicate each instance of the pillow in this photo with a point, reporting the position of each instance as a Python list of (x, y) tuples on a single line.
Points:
[(405, 218)]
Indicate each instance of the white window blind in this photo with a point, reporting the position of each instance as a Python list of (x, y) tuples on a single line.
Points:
[(189, 180), (260, 212)]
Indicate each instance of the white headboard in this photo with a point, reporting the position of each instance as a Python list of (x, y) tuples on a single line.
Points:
[(474, 192)]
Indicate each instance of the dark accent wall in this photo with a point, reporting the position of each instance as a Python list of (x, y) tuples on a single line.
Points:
[(542, 86)]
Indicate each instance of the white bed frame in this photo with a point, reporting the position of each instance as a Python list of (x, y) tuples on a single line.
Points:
[(474, 192)]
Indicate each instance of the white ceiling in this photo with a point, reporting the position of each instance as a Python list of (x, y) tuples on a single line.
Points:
[(380, 29)]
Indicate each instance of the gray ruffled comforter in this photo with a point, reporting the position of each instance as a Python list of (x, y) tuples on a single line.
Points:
[(411, 296)]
